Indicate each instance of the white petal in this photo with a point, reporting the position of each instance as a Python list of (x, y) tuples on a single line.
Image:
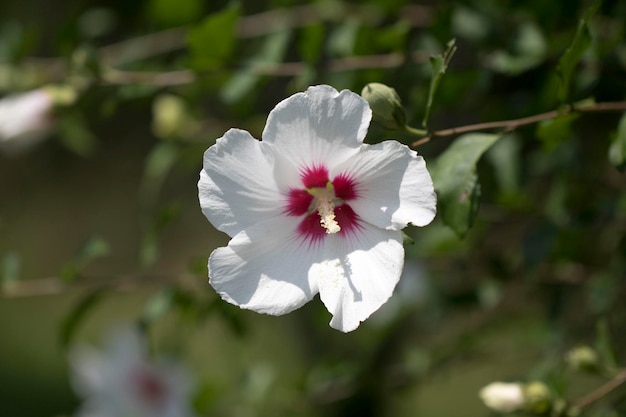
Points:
[(394, 187), (318, 126), (265, 268), (23, 113), (87, 370), (359, 274), (503, 397), (237, 185)]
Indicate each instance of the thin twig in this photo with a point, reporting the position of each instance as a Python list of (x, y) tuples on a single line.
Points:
[(286, 69), (512, 124), (142, 47), (601, 392), (160, 79), (55, 286), (251, 26)]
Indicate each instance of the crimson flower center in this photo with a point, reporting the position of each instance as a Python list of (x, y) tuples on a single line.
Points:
[(324, 203), (149, 386)]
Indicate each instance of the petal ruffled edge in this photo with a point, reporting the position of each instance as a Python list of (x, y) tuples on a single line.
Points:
[(237, 185), (265, 268), (393, 186), (359, 274), (320, 125)]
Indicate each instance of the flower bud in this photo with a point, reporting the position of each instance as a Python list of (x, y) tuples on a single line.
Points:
[(538, 397), (61, 95), (168, 111), (171, 118), (385, 104), (503, 397), (582, 358)]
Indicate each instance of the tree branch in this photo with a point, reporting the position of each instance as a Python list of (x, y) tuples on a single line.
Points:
[(602, 391), (510, 125), (252, 26), (55, 286), (286, 69)]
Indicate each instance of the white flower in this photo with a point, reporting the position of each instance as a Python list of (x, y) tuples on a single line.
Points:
[(122, 381), (311, 208), (25, 119), (503, 397)]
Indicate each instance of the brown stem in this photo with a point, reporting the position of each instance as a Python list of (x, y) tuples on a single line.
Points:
[(55, 286), (146, 46), (286, 69), (601, 392), (250, 26), (509, 125)]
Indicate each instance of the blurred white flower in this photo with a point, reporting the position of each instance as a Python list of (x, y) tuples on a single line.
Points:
[(25, 119), (503, 397), (312, 209), (122, 381)]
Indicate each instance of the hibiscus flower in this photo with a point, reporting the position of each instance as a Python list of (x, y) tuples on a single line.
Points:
[(24, 119), (122, 381), (312, 209)]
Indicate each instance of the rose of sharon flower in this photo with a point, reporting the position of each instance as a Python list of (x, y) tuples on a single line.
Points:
[(24, 119), (312, 209), (121, 381), (503, 397)]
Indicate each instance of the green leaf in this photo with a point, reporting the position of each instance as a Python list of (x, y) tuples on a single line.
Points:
[(11, 266), (76, 136), (342, 40), (394, 37), (158, 165), (530, 51), (212, 42), (206, 396), (456, 181), (604, 346), (150, 245), (617, 148), (438, 64), (158, 305), (96, 247), (469, 23), (70, 323), (553, 132), (505, 158), (572, 55), (311, 42), (12, 39), (174, 12), (271, 52)]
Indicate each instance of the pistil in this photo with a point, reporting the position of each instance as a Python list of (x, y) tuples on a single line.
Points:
[(324, 203), (326, 210)]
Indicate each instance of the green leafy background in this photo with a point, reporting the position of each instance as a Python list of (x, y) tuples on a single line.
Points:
[(100, 224)]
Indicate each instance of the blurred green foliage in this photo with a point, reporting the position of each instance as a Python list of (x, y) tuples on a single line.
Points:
[(541, 267)]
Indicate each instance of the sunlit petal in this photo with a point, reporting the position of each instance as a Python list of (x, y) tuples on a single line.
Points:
[(265, 268), (237, 184), (319, 125), (393, 186), (358, 274)]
